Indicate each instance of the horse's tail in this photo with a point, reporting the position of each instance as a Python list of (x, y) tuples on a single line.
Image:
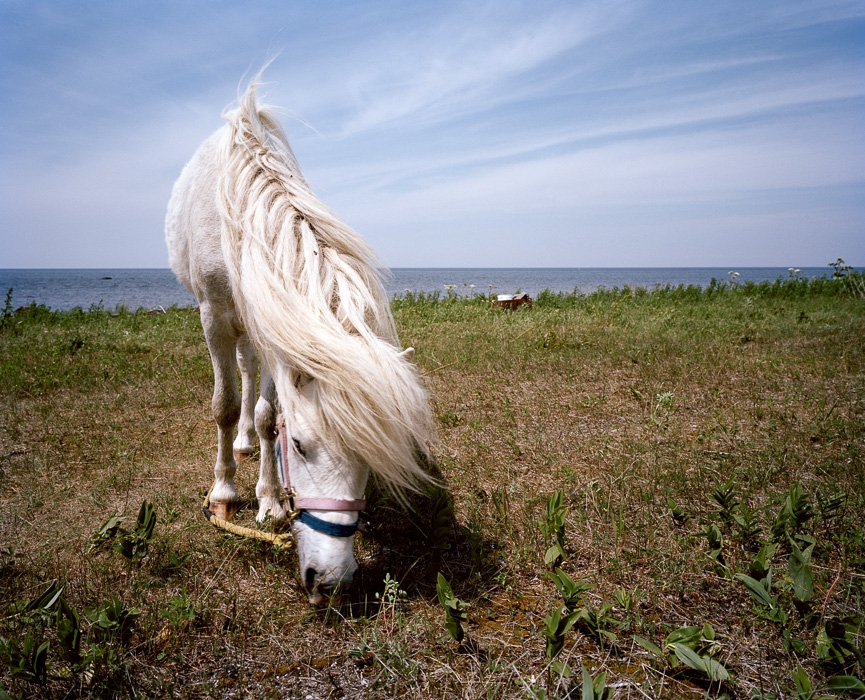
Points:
[(310, 294)]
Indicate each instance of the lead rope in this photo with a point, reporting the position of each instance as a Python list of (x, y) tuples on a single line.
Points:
[(280, 539)]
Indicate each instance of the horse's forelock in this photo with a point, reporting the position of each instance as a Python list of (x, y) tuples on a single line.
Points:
[(374, 415)]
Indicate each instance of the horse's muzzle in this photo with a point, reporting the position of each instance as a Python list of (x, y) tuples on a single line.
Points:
[(320, 588)]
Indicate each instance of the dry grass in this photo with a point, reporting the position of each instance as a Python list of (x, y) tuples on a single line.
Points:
[(623, 401)]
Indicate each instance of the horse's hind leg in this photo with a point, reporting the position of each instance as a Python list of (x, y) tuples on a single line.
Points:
[(269, 488), (221, 339), (247, 359)]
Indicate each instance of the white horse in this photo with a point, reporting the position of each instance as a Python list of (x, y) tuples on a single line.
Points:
[(277, 275)]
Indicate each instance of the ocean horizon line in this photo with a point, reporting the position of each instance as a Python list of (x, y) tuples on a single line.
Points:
[(156, 287)]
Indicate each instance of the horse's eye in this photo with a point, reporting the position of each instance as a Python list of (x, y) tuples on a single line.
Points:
[(298, 447)]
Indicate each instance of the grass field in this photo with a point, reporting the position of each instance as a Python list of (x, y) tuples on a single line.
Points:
[(660, 491)]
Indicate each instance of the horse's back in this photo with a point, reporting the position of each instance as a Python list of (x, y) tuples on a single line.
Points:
[(193, 228)]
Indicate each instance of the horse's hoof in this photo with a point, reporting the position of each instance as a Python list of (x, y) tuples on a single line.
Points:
[(242, 454), (270, 508), (223, 509)]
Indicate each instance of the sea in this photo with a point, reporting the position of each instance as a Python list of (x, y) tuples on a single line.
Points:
[(65, 289)]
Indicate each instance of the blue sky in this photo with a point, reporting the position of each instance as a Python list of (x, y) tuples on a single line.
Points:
[(548, 134)]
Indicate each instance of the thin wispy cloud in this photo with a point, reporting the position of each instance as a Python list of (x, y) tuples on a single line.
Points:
[(615, 132), (457, 69)]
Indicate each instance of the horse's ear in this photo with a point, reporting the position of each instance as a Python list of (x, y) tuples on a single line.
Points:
[(408, 354)]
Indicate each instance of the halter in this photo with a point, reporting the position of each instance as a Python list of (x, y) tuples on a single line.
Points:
[(302, 506)]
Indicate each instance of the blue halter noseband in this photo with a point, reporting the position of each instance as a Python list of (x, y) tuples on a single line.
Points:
[(302, 506)]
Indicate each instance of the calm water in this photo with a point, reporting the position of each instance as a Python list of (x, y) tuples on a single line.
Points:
[(152, 288)]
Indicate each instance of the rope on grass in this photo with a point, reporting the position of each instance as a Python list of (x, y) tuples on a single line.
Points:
[(281, 539)]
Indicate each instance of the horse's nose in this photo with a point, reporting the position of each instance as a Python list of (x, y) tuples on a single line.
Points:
[(322, 586), (309, 579)]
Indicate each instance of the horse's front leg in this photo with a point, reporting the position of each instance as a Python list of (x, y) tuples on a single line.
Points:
[(221, 340), (269, 487), (247, 359)]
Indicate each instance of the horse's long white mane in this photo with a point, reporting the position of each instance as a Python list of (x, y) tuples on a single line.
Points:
[(310, 294)]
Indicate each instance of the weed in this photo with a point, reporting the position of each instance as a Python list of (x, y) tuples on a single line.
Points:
[(761, 566), (839, 267), (836, 641), (799, 568), (749, 528), (449, 419), (173, 565), (556, 626), (679, 516), (570, 590), (553, 528), (767, 606), (716, 544), (595, 688), (106, 532), (111, 620), (724, 496), (132, 544), (7, 314), (109, 625), (502, 505), (804, 687), (694, 647), (596, 623), (659, 415), (27, 662), (29, 618), (455, 609), (390, 602), (180, 610), (847, 685), (68, 629), (830, 506), (796, 511)]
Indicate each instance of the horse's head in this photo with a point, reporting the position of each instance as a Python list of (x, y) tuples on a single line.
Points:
[(322, 476), (335, 434)]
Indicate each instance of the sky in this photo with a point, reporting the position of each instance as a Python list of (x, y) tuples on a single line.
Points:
[(620, 133)]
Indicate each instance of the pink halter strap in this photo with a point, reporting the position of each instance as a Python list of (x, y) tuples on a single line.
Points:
[(285, 477)]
